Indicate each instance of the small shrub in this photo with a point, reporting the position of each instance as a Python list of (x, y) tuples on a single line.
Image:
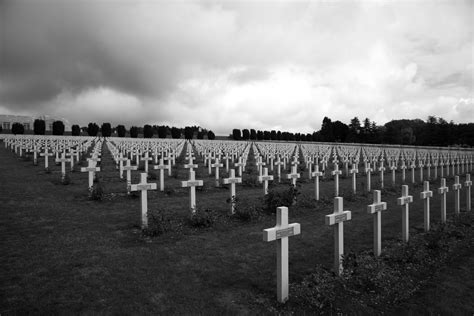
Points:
[(276, 198), (245, 210), (66, 180), (159, 222), (202, 219), (97, 193)]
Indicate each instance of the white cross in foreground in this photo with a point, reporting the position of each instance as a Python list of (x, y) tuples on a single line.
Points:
[(91, 168), (468, 185), (443, 189), (192, 183), (457, 194), (232, 180), (404, 201), (144, 187), (265, 178), (426, 195), (376, 209), (337, 219), (280, 233)]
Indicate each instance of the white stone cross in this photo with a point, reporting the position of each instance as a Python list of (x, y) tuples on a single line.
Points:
[(425, 195), (457, 195), (190, 165), (468, 185), (278, 163), (226, 158), (162, 167), (337, 219), (376, 209), (120, 160), (146, 159), (421, 166), (354, 171), (260, 165), (336, 172), (280, 233), (46, 156), (403, 167), (217, 165), (316, 174), (412, 167), (293, 175), (404, 201), (143, 186), (239, 164), (63, 161), (368, 171), (393, 168), (35, 152), (381, 170), (128, 168), (265, 178), (192, 183), (92, 169), (443, 189), (232, 180)]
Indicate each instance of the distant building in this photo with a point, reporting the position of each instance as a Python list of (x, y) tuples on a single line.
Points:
[(7, 121)]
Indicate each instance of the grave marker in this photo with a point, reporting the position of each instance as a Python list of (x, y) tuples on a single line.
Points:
[(143, 186), (443, 190), (293, 175), (404, 201), (128, 168), (192, 183), (162, 168), (232, 180), (376, 208), (354, 172), (457, 195), (280, 233), (337, 220), (336, 172), (468, 185), (425, 195), (316, 174), (91, 168), (265, 178)]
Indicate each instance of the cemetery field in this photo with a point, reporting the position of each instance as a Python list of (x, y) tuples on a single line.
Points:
[(65, 253)]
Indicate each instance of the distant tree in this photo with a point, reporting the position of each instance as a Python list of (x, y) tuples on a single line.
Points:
[(18, 129), (245, 134), (253, 134), (259, 135), (58, 128), (92, 129), (188, 132), (106, 129), (1, 128), (39, 127), (162, 131), (326, 131), (278, 135), (200, 135), (133, 132), (121, 131), (273, 135), (147, 131), (210, 135), (340, 131), (297, 137), (236, 135), (75, 130), (175, 132)]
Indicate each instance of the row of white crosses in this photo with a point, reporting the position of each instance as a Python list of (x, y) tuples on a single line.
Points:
[(283, 230)]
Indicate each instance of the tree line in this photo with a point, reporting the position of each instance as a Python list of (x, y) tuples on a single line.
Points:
[(106, 130), (434, 132)]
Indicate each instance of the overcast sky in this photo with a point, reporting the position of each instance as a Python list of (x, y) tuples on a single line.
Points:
[(237, 64)]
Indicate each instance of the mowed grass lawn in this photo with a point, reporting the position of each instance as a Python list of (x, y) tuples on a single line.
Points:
[(63, 253)]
